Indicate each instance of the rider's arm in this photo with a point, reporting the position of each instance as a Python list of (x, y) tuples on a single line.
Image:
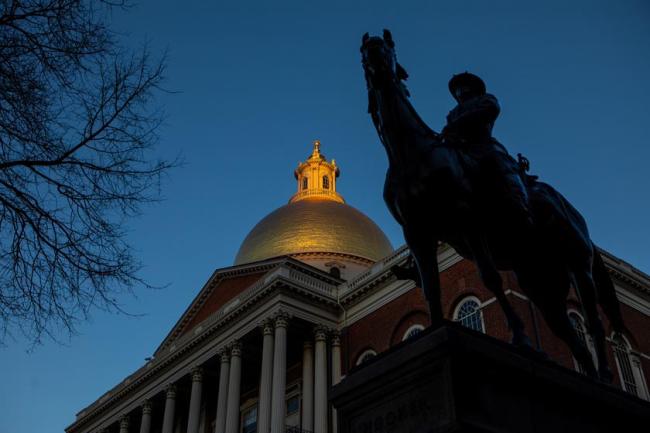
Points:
[(484, 109)]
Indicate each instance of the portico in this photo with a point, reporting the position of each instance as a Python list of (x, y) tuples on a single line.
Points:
[(268, 371)]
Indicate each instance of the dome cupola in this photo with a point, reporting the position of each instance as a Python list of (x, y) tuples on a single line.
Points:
[(316, 178)]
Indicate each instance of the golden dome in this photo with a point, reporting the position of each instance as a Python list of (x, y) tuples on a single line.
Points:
[(316, 220), (314, 225)]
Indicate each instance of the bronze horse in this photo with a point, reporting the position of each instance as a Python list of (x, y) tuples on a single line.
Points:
[(430, 191)]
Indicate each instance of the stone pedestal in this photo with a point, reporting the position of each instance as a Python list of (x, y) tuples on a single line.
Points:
[(454, 380)]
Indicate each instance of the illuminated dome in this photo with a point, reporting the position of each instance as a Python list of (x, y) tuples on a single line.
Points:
[(316, 222), (314, 225)]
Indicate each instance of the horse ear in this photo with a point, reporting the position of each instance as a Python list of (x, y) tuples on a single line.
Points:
[(401, 72), (388, 38), (365, 37)]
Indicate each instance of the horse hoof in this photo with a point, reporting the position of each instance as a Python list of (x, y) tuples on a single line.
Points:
[(522, 341), (606, 375), (536, 354)]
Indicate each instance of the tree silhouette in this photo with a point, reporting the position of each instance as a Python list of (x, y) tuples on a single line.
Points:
[(76, 129)]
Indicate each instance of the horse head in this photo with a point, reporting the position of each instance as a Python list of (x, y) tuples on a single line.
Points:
[(400, 128), (380, 61)]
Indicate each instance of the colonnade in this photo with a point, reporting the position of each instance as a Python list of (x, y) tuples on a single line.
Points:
[(271, 409)]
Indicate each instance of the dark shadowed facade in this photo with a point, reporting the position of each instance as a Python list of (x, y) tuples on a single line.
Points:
[(310, 296)]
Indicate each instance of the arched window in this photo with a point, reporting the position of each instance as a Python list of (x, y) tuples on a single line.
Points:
[(365, 356), (412, 331), (326, 182), (629, 368), (468, 313), (579, 326), (335, 272), (304, 183)]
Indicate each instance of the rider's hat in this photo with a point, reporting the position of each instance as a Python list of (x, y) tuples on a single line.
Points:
[(466, 79)]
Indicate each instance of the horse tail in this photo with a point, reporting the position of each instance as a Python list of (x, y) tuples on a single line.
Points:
[(607, 293)]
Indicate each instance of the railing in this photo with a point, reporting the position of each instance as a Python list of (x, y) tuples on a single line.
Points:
[(397, 256), (313, 283), (316, 192)]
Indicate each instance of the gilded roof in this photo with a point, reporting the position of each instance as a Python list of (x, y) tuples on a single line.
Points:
[(314, 225)]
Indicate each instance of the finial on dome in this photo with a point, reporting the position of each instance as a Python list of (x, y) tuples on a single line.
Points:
[(316, 150)]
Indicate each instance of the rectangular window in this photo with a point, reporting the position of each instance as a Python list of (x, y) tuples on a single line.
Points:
[(249, 421), (293, 404)]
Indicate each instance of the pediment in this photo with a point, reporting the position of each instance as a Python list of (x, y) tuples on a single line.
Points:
[(224, 285)]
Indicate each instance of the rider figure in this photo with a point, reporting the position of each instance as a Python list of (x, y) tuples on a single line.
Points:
[(496, 175)]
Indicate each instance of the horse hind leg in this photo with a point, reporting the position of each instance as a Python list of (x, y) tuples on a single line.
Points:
[(560, 324), (587, 292), (425, 252), (493, 281)]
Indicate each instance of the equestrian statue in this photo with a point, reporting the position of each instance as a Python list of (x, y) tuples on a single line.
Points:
[(462, 187)]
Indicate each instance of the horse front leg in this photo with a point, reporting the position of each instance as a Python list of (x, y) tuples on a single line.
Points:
[(493, 281), (424, 249), (587, 293)]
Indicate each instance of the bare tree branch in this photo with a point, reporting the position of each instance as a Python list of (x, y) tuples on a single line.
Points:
[(76, 131)]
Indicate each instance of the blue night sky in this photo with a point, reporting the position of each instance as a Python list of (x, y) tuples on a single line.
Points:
[(255, 83)]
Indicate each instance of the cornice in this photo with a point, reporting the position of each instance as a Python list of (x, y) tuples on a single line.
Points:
[(630, 281), (622, 271), (349, 257)]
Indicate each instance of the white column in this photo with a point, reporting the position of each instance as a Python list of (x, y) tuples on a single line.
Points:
[(124, 424), (308, 386), (266, 377), (278, 406), (145, 424), (170, 407), (222, 397), (320, 381), (195, 401), (234, 388), (336, 371)]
